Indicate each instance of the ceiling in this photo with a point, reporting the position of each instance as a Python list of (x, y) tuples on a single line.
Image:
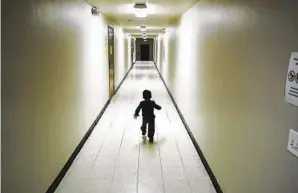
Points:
[(161, 13)]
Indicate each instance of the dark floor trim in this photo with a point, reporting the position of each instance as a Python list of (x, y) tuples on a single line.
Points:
[(73, 156), (204, 161)]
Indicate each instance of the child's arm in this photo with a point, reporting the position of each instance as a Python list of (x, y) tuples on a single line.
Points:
[(156, 106), (138, 110)]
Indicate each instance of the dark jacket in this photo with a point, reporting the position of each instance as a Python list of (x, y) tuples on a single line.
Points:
[(147, 107)]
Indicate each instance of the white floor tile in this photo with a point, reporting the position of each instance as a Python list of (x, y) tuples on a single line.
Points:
[(94, 142), (169, 153), (109, 150), (177, 186), (171, 162), (192, 161), (87, 156), (80, 172), (149, 162), (152, 173), (128, 161), (151, 186), (103, 172), (126, 173), (84, 160), (105, 161), (196, 172), (84, 186), (123, 186), (201, 186), (173, 173)]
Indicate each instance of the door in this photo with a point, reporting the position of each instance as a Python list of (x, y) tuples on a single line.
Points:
[(111, 61), (145, 49), (132, 51)]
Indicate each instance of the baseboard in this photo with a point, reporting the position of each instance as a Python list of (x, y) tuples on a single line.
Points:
[(73, 156), (204, 161)]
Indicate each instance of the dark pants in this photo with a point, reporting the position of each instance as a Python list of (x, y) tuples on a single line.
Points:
[(151, 127)]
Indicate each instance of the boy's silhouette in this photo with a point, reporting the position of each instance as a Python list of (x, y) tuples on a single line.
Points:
[(147, 107)]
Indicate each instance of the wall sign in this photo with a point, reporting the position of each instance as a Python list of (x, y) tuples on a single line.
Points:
[(291, 93)]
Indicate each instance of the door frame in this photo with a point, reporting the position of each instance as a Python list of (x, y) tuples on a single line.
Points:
[(111, 59)]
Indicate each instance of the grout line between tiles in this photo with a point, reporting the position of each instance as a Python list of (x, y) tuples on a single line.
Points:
[(138, 170), (117, 160), (162, 178), (106, 135), (188, 181), (168, 115)]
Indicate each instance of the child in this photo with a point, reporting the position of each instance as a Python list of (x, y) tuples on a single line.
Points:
[(147, 107)]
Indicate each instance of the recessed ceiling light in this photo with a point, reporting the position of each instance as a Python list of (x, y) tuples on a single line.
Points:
[(141, 14), (140, 10)]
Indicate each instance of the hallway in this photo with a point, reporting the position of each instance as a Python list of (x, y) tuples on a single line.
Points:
[(229, 67), (116, 159)]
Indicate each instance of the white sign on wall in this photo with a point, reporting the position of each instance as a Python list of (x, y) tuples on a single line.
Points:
[(291, 95)]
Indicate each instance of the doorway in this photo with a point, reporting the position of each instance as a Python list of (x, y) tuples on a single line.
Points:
[(132, 51), (145, 52), (111, 61)]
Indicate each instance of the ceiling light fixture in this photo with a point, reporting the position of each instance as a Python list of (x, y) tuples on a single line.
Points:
[(140, 10), (141, 13), (143, 28)]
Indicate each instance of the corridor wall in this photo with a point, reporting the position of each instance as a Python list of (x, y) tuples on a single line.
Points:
[(54, 84), (226, 67), (160, 49), (122, 52), (128, 52)]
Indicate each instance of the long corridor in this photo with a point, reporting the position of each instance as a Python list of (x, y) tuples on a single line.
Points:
[(116, 159)]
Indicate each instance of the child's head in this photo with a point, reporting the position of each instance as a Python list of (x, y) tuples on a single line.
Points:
[(147, 94)]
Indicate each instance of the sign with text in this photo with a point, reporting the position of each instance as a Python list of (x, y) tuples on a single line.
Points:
[(291, 93)]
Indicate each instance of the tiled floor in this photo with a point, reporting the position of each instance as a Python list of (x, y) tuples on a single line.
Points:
[(116, 159)]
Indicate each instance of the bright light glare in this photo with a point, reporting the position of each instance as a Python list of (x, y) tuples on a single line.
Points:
[(141, 13), (143, 29)]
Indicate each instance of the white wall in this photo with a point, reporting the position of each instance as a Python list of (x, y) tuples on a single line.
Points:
[(226, 66), (160, 47), (120, 54), (54, 84)]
